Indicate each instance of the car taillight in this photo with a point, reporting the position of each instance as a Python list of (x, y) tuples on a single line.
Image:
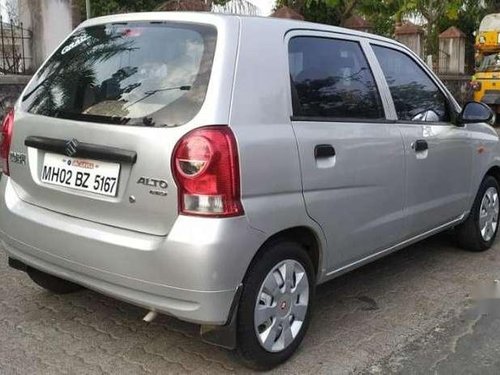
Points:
[(475, 85), (6, 138), (206, 169)]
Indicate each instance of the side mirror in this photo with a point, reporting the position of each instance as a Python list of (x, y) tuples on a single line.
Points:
[(476, 112)]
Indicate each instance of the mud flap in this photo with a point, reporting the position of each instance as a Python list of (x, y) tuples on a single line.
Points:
[(225, 335)]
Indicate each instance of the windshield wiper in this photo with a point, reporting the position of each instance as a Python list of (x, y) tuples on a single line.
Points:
[(117, 120), (152, 92)]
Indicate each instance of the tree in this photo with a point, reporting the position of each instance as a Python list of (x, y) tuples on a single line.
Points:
[(433, 11), (104, 7), (331, 12), (384, 14)]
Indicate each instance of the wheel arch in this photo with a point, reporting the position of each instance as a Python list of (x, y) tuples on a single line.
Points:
[(306, 236), (494, 172)]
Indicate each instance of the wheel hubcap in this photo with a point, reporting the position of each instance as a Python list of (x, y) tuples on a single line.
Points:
[(281, 305), (488, 214)]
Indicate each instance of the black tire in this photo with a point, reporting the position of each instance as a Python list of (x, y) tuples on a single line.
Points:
[(469, 233), (249, 349), (52, 283)]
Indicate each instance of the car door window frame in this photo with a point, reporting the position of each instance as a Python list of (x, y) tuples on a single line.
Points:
[(450, 101), (365, 49)]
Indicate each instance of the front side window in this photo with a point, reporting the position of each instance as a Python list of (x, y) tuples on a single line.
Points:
[(330, 78), (136, 73), (416, 97)]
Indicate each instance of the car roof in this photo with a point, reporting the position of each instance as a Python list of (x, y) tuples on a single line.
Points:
[(283, 24)]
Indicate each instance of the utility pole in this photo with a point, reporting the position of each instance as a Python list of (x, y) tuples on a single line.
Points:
[(87, 7)]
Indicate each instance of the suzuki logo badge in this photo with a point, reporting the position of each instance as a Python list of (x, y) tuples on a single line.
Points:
[(71, 147)]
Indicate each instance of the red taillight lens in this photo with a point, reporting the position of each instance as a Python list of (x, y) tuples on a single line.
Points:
[(206, 169), (6, 138), (475, 85)]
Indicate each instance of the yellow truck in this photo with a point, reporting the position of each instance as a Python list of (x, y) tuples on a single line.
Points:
[(486, 80)]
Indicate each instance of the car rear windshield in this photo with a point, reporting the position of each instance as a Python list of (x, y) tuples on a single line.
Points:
[(143, 74)]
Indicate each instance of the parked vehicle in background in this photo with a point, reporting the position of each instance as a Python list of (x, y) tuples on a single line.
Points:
[(217, 168), (486, 79)]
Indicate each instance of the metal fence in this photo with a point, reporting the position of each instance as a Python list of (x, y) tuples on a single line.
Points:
[(15, 48)]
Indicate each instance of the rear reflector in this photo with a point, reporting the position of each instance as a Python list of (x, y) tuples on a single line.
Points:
[(5, 141), (206, 169)]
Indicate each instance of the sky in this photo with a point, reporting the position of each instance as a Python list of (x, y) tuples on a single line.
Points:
[(3, 11), (265, 6)]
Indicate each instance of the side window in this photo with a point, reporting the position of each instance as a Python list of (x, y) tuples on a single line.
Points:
[(416, 97), (330, 78)]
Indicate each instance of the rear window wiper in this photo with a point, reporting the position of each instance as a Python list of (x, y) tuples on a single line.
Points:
[(152, 92), (117, 120)]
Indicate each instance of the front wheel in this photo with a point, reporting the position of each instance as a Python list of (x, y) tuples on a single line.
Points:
[(479, 231), (275, 306)]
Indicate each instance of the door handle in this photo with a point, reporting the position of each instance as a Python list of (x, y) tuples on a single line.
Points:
[(324, 151), (420, 145)]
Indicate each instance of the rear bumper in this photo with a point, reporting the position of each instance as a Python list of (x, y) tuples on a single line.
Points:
[(192, 274)]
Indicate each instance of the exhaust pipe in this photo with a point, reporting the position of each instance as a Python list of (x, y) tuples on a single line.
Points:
[(150, 316)]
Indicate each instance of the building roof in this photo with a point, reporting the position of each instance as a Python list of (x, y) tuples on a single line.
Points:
[(357, 23), (452, 32), (408, 28), (286, 12)]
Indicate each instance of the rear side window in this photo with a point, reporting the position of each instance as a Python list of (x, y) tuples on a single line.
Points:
[(330, 78), (146, 74), (416, 97)]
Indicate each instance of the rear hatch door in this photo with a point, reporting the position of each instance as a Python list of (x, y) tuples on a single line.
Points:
[(100, 120)]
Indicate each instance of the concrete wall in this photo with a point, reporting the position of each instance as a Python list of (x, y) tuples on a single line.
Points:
[(50, 21), (452, 55), (412, 41)]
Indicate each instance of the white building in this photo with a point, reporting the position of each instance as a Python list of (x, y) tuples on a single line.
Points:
[(50, 21)]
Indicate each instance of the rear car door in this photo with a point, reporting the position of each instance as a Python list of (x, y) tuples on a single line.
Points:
[(438, 154), (351, 157)]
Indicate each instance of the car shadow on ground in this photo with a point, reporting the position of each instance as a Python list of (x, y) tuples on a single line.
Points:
[(358, 318)]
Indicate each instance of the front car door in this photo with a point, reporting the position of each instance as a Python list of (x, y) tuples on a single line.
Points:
[(352, 158), (438, 153)]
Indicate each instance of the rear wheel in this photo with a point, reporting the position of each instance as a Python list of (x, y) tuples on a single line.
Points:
[(275, 306), (479, 231), (52, 283)]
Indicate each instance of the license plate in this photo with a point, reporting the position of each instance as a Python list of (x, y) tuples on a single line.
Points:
[(81, 174)]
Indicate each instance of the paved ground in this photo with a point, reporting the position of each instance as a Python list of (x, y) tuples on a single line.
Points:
[(407, 313)]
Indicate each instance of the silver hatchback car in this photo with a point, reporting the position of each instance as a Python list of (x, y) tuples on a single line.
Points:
[(217, 168)]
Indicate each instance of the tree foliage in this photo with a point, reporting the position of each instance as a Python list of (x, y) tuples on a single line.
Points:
[(104, 7), (384, 14), (332, 12)]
